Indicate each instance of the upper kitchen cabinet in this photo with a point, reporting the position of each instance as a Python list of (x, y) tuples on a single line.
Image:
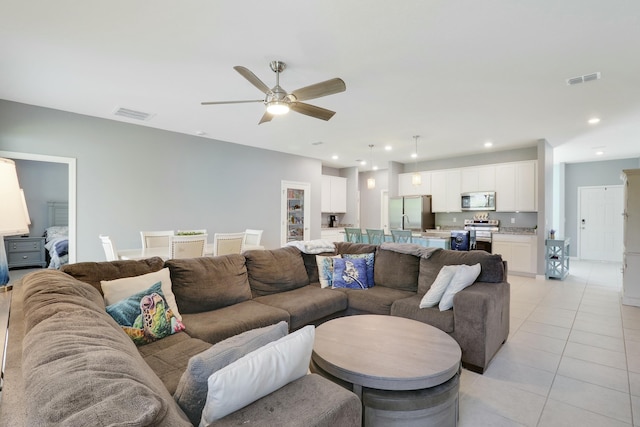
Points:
[(445, 190), (333, 194), (406, 187), (516, 187), (481, 178)]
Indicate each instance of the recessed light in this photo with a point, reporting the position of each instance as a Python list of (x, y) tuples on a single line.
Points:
[(375, 168), (363, 162), (488, 144), (334, 157), (594, 120), (414, 155), (200, 133), (599, 153), (388, 148)]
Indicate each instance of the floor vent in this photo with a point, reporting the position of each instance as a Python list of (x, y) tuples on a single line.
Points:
[(132, 114), (583, 79)]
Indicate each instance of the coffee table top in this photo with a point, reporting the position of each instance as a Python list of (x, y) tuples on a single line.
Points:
[(386, 352)]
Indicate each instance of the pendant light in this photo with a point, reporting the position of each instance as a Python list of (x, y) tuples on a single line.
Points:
[(416, 178), (371, 182)]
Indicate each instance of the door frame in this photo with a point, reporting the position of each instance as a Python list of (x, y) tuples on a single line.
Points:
[(71, 166), (284, 185), (579, 217), (384, 210)]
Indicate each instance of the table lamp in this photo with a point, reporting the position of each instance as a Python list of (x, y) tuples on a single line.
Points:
[(13, 213)]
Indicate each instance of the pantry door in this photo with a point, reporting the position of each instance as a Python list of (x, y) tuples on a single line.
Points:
[(296, 211), (600, 223)]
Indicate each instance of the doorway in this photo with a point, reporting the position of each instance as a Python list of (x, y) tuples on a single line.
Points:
[(71, 164), (296, 210), (600, 223)]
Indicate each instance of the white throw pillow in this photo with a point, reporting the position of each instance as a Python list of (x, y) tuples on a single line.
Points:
[(325, 270), (439, 286), (465, 276), (119, 289), (257, 374)]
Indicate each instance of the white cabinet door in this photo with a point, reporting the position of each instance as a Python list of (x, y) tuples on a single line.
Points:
[(516, 187), (519, 251), (333, 196), (481, 178), (325, 194), (445, 189), (406, 187)]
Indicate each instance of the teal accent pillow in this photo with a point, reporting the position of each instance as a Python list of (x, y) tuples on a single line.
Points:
[(369, 259), (146, 316), (350, 273)]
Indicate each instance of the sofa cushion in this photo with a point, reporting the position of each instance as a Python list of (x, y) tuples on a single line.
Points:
[(439, 286), (191, 392), (465, 276), (329, 405), (276, 270), (325, 270), (145, 316), (307, 304), (354, 248), (396, 270), (492, 269), (170, 356), (376, 300), (207, 283), (78, 365), (311, 265), (94, 272), (119, 289), (350, 273), (217, 325), (409, 308), (257, 374), (369, 259)]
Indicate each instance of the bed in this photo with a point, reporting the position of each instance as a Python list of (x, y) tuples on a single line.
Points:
[(56, 235)]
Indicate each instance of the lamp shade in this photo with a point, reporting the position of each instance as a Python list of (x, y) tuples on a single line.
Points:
[(13, 213)]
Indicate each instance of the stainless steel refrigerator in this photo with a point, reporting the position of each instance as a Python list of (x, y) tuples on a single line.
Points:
[(411, 213)]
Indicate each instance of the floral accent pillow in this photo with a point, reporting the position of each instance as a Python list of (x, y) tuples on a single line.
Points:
[(325, 270), (369, 259), (146, 316), (350, 273)]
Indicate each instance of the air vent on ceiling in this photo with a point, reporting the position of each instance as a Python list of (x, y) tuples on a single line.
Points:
[(132, 114), (583, 79)]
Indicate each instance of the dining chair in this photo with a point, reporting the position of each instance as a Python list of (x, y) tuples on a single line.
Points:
[(252, 239), (401, 236), (109, 248), (375, 236), (353, 235), (187, 246), (155, 239), (227, 243)]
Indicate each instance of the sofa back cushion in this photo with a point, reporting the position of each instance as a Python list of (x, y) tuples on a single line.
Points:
[(207, 283), (355, 248), (93, 272), (396, 270), (79, 367), (492, 268), (276, 270)]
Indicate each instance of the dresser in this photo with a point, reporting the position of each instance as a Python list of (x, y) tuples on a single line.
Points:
[(25, 251)]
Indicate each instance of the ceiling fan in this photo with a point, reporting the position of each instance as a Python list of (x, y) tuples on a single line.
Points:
[(279, 101)]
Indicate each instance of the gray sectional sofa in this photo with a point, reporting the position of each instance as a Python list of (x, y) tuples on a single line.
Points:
[(61, 339)]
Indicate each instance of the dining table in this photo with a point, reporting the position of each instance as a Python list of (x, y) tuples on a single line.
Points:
[(162, 252)]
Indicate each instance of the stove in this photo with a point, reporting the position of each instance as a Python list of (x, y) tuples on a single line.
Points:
[(482, 227)]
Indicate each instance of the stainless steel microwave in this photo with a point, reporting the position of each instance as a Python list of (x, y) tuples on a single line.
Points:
[(478, 201)]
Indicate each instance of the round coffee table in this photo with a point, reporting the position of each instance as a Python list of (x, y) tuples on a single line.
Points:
[(411, 360)]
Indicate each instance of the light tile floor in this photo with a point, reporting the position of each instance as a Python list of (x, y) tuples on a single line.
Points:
[(572, 357)]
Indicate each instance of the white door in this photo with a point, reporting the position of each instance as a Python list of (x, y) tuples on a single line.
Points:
[(296, 211), (600, 223), (384, 211)]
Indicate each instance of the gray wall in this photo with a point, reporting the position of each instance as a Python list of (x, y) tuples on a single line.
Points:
[(370, 200), (42, 182), (132, 178), (585, 175)]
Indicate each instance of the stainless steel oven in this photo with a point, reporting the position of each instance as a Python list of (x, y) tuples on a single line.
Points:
[(483, 228)]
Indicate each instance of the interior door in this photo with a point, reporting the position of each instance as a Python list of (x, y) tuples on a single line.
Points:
[(296, 210), (600, 223)]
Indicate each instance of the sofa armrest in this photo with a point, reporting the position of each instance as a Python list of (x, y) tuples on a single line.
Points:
[(481, 321)]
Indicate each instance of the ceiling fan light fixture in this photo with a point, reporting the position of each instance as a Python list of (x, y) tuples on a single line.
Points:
[(277, 108)]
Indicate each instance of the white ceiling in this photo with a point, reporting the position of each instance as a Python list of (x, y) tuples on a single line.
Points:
[(455, 72)]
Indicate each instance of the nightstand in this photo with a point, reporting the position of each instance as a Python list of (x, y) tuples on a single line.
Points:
[(25, 251)]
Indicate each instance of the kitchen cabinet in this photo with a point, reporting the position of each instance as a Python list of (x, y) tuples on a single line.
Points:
[(406, 187), (481, 178), (332, 234), (516, 189), (631, 238), (333, 194), (445, 189), (25, 251), (519, 250)]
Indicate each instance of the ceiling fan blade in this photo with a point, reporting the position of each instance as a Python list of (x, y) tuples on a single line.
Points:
[(230, 102), (317, 90), (311, 110), (244, 72), (266, 117)]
